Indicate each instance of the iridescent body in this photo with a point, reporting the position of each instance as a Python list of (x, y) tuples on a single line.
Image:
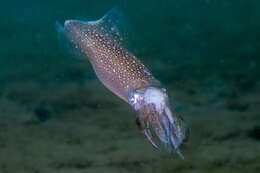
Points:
[(122, 73)]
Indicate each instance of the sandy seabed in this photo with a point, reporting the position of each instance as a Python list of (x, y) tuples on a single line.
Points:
[(79, 130), (56, 117)]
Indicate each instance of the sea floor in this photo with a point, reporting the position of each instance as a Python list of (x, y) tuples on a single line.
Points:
[(85, 128), (56, 117)]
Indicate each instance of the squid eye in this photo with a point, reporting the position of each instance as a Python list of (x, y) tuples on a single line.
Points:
[(135, 100), (132, 100)]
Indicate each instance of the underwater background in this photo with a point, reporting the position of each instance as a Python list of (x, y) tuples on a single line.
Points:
[(55, 116)]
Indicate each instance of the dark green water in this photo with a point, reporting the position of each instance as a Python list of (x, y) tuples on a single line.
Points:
[(55, 116)]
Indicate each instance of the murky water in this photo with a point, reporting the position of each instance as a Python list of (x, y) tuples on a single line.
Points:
[(57, 117)]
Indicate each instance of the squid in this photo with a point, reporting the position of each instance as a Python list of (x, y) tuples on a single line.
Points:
[(101, 42)]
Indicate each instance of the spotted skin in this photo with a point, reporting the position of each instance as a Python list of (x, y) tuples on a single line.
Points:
[(117, 68), (121, 72)]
